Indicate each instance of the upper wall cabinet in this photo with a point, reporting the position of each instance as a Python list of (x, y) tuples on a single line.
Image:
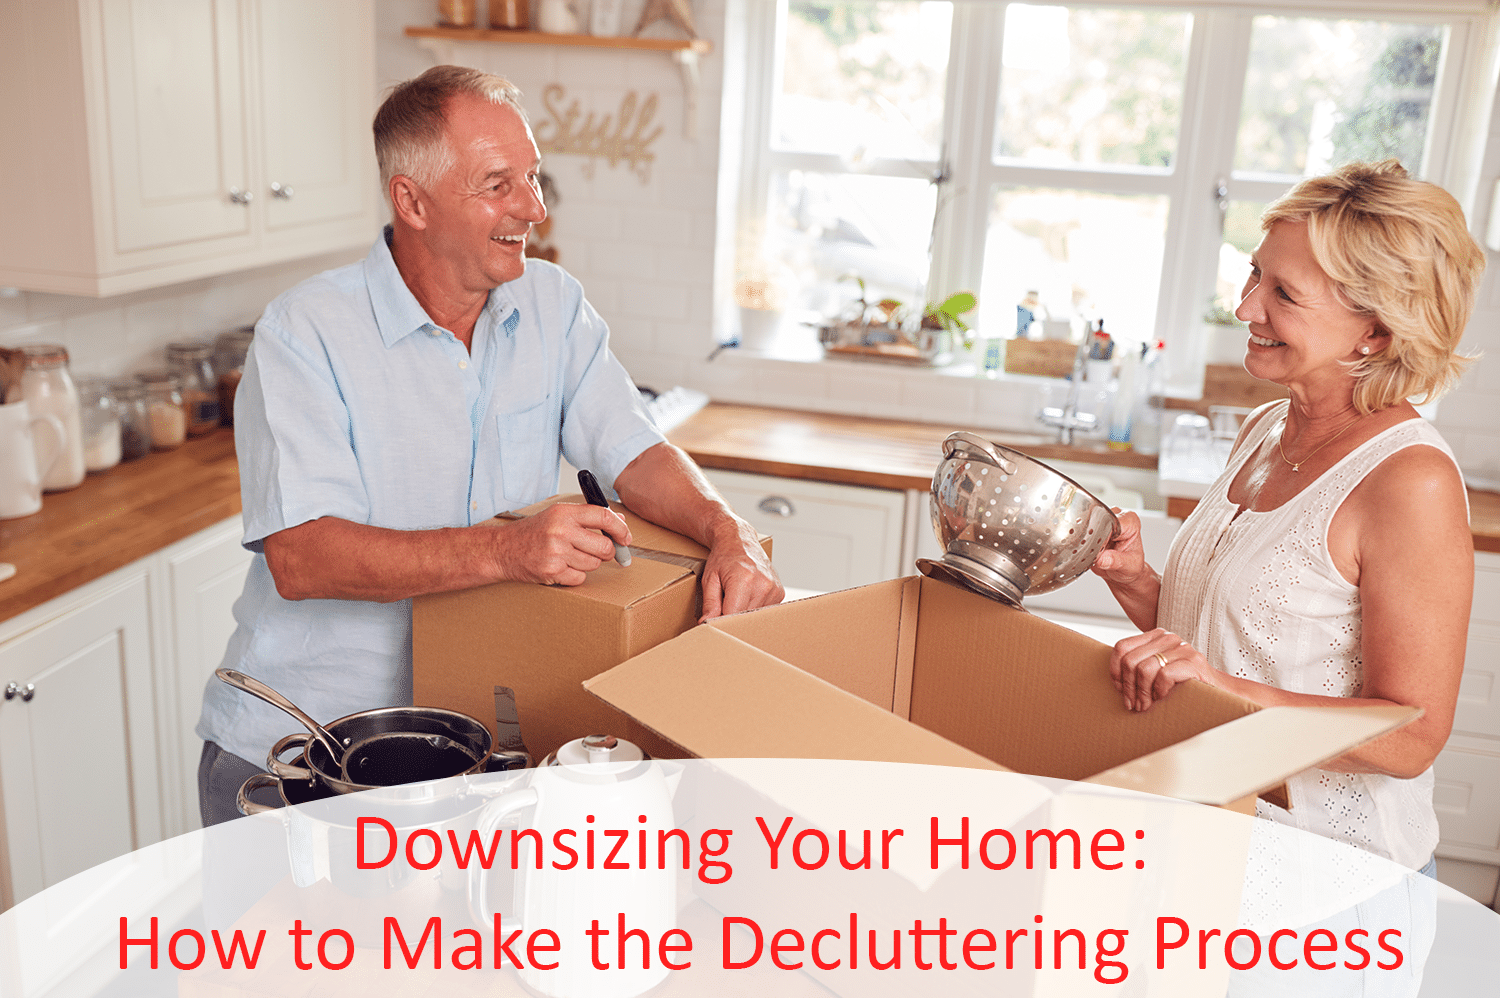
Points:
[(149, 142)]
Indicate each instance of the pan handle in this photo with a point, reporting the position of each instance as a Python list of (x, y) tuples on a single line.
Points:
[(286, 770), (242, 799)]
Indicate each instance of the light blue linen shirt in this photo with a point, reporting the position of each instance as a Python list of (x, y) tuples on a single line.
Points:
[(355, 405)]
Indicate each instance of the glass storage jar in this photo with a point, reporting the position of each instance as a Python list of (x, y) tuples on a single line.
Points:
[(164, 408), (135, 419), (49, 391), (101, 424), (230, 350), (192, 364)]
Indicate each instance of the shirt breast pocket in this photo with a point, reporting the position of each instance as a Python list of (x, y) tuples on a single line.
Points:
[(529, 449)]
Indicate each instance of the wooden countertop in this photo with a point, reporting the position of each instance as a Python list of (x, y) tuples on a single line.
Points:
[(138, 508), (854, 450), (893, 454), (118, 516)]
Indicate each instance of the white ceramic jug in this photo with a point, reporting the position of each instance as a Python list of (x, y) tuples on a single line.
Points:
[(20, 477), (557, 17), (595, 783)]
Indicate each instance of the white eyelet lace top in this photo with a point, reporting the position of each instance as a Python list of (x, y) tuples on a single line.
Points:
[(1259, 595)]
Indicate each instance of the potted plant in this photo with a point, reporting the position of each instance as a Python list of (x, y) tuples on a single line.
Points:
[(1223, 335)]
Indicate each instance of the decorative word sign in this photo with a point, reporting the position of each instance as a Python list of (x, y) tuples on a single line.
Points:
[(621, 137)]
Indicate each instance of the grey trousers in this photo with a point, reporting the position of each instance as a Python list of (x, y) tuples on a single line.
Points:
[(220, 776)]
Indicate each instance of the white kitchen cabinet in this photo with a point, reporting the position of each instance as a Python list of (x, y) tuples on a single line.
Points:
[(1467, 794), (156, 141), (824, 536), (79, 770), (101, 759), (195, 585)]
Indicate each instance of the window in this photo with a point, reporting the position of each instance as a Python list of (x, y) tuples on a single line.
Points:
[(1113, 160)]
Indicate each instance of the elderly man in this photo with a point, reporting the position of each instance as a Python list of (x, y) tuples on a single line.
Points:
[(392, 407)]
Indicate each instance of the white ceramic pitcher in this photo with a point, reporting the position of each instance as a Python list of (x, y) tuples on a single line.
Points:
[(598, 782), (20, 477)]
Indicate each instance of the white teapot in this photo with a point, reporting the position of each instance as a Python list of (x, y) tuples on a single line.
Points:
[(589, 786)]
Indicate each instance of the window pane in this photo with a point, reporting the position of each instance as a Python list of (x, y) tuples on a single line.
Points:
[(1091, 87), (823, 229), (1087, 255), (1322, 92), (1241, 235), (863, 80)]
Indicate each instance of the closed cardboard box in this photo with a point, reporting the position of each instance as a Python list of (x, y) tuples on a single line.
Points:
[(544, 641)]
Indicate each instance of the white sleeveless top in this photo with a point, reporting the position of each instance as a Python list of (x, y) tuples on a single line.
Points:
[(1259, 596)]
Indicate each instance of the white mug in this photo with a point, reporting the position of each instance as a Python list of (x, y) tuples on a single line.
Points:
[(20, 478)]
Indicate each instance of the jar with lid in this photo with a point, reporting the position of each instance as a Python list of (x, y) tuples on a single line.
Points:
[(230, 350), (135, 418), (164, 408), (49, 391), (192, 364), (101, 424)]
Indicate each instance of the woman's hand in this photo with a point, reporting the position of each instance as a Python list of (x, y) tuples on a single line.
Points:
[(1145, 667), (1136, 587), (1123, 562)]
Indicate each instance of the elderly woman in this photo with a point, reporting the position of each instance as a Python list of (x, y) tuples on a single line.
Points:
[(1332, 562)]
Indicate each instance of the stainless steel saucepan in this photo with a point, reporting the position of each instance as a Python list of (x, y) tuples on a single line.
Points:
[(385, 747)]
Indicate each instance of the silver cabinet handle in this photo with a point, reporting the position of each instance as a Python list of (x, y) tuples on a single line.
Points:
[(776, 506), (282, 191), (240, 197), (13, 690)]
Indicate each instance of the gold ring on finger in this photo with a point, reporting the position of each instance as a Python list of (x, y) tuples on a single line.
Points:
[(1160, 658)]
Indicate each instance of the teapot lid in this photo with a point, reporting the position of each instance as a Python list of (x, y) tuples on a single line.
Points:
[(595, 750)]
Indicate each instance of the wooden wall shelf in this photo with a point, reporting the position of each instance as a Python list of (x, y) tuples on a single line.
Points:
[(701, 46), (440, 42)]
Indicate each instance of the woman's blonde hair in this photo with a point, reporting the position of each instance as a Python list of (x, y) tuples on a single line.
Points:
[(1397, 249), (411, 137)]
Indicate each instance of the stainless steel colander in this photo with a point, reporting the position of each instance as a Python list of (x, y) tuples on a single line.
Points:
[(1009, 525)]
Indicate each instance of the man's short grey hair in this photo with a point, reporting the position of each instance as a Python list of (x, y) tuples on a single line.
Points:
[(411, 129)]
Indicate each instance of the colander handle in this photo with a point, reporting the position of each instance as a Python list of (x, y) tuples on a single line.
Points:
[(977, 446)]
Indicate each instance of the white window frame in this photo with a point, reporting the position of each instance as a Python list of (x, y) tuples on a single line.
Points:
[(1217, 60)]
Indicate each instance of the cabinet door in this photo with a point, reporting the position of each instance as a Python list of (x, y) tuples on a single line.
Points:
[(317, 152), (824, 537), (204, 576), (78, 763), (1479, 694), (176, 124)]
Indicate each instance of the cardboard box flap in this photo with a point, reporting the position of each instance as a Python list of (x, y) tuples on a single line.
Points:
[(850, 638), (719, 697), (1258, 751), (1021, 689)]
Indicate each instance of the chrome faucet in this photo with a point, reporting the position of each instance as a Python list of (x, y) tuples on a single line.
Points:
[(1069, 418)]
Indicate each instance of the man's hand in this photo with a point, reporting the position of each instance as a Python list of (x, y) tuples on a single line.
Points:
[(738, 575), (665, 486), (560, 545)]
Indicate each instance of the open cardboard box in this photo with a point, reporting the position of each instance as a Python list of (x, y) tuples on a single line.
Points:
[(919, 670), (544, 641)]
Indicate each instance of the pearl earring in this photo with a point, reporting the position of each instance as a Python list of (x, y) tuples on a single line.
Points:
[(1364, 350)]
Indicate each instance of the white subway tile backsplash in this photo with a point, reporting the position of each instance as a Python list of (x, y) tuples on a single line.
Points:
[(12, 310), (46, 331), (624, 262), (944, 397), (654, 300), (657, 225), (685, 339), (657, 371), (1468, 410), (721, 378)]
